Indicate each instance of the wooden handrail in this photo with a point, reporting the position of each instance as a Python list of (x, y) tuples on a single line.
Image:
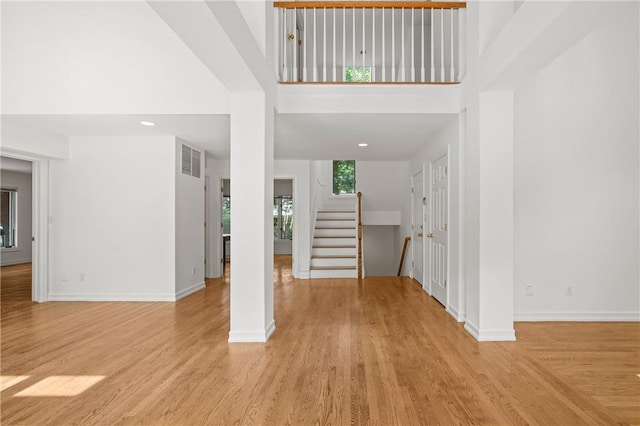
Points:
[(404, 252), (371, 4), (359, 235)]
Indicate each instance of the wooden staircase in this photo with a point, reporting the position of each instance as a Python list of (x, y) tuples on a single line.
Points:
[(334, 252)]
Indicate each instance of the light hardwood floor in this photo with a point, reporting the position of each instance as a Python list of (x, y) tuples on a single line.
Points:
[(376, 352)]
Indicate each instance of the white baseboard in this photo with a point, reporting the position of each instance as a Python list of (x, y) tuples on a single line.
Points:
[(490, 335), (426, 289), (472, 329), (577, 316), (459, 316), (187, 291), (252, 336), (304, 274), (14, 262), (88, 297)]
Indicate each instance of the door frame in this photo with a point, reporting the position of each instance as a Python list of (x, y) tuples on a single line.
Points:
[(295, 240), (413, 224), (430, 185), (214, 233), (40, 271)]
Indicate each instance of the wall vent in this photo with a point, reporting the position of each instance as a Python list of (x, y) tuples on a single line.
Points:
[(190, 161)]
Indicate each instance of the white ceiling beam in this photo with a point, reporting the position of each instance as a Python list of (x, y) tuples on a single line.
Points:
[(538, 33), (218, 35)]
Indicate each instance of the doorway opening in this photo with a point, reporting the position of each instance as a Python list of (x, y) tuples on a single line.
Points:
[(16, 220), (283, 211), (226, 227)]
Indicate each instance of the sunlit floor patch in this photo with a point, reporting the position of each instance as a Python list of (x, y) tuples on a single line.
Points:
[(61, 386), (7, 381)]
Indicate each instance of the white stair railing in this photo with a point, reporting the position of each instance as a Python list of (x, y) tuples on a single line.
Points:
[(358, 42)]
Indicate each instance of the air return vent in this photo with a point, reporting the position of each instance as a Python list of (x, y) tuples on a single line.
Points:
[(190, 161)]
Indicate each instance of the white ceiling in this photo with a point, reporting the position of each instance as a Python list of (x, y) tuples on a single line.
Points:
[(15, 165), (336, 136), (298, 136), (211, 132)]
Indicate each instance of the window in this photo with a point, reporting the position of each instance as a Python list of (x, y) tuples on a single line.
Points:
[(283, 218), (226, 215), (357, 74), (344, 177), (8, 218)]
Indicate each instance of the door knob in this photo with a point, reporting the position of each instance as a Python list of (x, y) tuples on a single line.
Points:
[(429, 235), (419, 234)]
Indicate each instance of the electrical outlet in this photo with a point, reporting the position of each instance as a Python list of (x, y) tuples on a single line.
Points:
[(529, 290), (193, 271), (63, 276), (569, 291)]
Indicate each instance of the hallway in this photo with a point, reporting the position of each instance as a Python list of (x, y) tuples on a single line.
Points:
[(345, 352)]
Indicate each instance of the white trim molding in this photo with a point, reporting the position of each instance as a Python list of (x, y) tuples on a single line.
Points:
[(624, 316), (257, 336), (304, 274), (41, 273), (458, 316), (490, 335), (14, 262), (111, 297), (190, 290)]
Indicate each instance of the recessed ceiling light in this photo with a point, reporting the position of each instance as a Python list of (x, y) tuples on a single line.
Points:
[(147, 123), (363, 144)]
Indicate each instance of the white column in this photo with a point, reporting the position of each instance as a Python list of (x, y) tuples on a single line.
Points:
[(490, 280), (252, 317)]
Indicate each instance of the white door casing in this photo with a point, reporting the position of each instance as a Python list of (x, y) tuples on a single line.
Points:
[(417, 227), (438, 229)]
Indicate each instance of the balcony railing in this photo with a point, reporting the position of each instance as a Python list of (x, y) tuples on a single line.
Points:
[(370, 42)]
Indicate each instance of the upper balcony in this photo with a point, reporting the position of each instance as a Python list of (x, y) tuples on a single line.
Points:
[(381, 42)]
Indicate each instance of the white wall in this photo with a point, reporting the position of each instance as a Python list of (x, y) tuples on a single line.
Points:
[(100, 58), (577, 182), (445, 142), (113, 219), (189, 229), (378, 251), (22, 183), (384, 185), (493, 16)]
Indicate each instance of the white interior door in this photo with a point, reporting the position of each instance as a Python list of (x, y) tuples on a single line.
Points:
[(439, 201), (417, 228)]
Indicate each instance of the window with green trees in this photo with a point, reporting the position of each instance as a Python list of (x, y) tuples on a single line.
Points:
[(344, 177), (357, 74)]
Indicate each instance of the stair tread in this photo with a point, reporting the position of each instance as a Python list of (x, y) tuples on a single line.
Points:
[(336, 256), (333, 268), (328, 247), (336, 227)]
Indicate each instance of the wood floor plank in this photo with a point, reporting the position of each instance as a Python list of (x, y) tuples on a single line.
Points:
[(376, 351)]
